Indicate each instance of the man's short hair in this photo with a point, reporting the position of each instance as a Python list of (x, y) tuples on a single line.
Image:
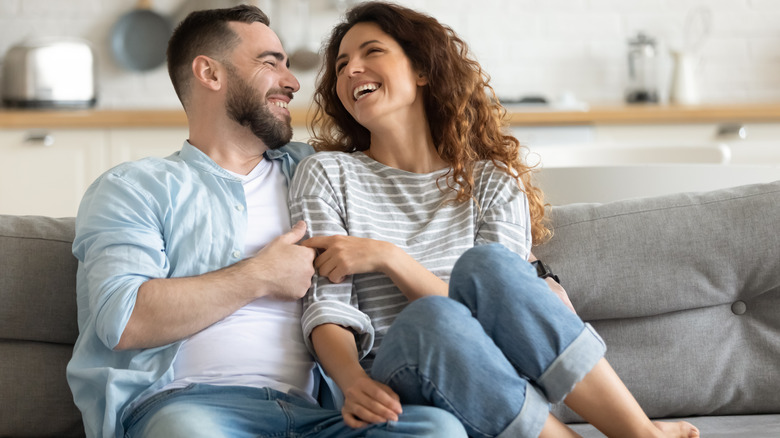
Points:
[(206, 33)]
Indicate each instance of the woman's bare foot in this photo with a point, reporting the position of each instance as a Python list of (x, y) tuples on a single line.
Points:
[(679, 429)]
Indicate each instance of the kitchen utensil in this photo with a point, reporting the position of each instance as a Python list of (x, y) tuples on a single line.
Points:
[(140, 37), (697, 28), (642, 70), (50, 73), (304, 58)]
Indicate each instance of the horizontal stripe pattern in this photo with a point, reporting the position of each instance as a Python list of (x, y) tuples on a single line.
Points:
[(350, 194)]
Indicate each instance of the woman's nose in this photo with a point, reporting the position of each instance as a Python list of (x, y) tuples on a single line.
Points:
[(354, 67)]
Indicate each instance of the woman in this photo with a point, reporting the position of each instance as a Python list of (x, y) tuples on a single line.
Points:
[(419, 177)]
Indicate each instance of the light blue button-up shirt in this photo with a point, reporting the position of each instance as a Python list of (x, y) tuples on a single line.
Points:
[(153, 218)]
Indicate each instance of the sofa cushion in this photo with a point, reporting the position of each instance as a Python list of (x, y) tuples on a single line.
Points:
[(37, 326), (685, 290), (735, 426), (38, 283)]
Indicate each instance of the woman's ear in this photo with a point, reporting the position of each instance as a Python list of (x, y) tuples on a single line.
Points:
[(422, 79), (207, 72)]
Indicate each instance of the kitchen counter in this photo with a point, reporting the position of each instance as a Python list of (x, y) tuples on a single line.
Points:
[(526, 116)]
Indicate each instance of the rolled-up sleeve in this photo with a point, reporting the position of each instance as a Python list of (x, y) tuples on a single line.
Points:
[(119, 246), (315, 198)]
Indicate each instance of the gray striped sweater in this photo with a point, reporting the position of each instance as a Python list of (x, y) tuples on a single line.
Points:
[(351, 194)]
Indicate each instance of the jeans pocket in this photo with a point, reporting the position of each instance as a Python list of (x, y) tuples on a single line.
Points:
[(138, 413)]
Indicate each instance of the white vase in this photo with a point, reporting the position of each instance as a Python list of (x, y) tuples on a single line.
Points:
[(685, 89)]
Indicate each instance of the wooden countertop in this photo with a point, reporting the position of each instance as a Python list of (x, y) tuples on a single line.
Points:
[(615, 114), (650, 114)]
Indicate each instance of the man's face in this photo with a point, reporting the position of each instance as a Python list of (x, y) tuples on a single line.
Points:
[(260, 85)]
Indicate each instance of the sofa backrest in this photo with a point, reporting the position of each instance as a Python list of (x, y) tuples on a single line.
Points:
[(685, 290), (37, 327)]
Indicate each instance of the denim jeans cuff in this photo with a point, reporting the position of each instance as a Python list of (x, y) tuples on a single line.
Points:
[(572, 365), (530, 421)]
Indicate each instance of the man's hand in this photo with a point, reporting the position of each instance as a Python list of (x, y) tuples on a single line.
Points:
[(341, 256), (556, 287), (284, 267), (171, 309), (367, 401), (561, 292)]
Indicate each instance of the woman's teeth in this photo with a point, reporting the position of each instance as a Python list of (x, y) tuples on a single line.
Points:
[(364, 90)]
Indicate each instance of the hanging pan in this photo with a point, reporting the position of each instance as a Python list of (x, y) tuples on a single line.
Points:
[(139, 38)]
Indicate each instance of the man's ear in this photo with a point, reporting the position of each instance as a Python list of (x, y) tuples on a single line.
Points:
[(208, 72)]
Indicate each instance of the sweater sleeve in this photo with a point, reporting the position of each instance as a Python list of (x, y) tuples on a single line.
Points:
[(316, 197), (504, 216)]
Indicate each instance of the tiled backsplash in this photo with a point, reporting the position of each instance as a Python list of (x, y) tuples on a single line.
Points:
[(547, 47)]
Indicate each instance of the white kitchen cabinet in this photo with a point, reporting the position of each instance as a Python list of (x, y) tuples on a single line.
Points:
[(45, 172), (743, 143), (134, 144), (626, 161)]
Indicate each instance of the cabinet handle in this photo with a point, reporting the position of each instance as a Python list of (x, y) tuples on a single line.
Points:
[(733, 131), (39, 138)]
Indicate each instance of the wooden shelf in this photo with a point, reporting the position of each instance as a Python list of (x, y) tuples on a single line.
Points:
[(617, 114)]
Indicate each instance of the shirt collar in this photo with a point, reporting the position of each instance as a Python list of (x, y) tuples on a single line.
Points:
[(289, 155), (196, 158)]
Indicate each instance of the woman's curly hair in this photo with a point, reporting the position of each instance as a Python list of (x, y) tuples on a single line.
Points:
[(466, 119)]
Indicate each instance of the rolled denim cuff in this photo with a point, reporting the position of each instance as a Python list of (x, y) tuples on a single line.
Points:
[(572, 365), (532, 416)]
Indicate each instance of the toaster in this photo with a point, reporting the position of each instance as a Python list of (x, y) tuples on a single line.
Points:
[(50, 73)]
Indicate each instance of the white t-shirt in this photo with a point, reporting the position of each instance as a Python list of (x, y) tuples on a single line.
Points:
[(261, 344)]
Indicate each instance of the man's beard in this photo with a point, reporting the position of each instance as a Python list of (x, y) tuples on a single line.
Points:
[(246, 106)]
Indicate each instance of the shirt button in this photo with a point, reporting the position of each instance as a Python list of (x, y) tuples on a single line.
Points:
[(240, 207), (236, 253)]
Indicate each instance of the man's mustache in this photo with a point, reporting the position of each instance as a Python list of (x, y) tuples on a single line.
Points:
[(278, 91)]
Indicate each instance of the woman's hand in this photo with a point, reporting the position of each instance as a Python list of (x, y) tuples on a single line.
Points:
[(340, 256), (367, 401)]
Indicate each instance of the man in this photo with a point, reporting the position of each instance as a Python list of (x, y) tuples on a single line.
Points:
[(189, 272)]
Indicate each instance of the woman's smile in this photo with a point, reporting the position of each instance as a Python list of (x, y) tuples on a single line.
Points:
[(364, 90), (373, 68)]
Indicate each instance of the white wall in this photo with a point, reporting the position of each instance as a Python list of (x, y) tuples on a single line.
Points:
[(528, 46)]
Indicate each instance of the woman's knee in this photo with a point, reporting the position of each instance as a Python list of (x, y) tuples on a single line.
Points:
[(425, 331), (488, 275), (430, 421), (433, 315), (489, 263)]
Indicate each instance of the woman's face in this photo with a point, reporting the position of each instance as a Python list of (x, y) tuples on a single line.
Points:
[(375, 77)]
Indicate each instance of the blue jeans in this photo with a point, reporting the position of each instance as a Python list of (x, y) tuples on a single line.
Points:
[(495, 353), (210, 411)]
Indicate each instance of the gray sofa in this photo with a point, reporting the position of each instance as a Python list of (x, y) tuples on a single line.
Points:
[(685, 289)]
